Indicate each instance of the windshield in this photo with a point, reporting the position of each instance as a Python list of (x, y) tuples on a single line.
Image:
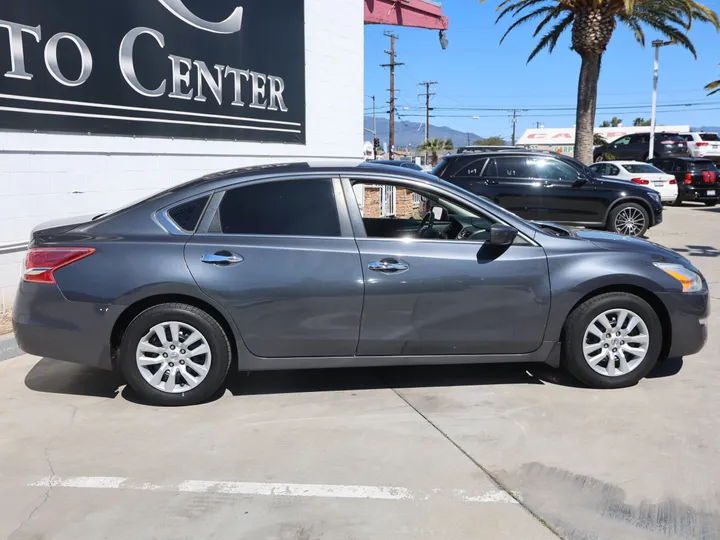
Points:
[(709, 137), (642, 168), (704, 166)]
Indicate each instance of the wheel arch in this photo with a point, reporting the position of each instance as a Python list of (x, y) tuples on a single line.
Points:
[(135, 309), (650, 297), (637, 200)]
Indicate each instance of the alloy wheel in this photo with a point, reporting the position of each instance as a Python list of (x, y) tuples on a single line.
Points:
[(630, 221), (616, 342), (173, 357)]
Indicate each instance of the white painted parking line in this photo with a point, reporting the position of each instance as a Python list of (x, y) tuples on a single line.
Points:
[(277, 489)]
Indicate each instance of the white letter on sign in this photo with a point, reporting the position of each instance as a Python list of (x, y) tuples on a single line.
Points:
[(51, 59), (17, 54), (229, 26), (127, 67)]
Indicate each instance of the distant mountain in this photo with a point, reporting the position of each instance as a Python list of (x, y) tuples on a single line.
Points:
[(413, 133), (707, 128)]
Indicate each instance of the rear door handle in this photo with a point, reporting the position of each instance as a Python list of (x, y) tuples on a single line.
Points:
[(389, 266), (222, 258)]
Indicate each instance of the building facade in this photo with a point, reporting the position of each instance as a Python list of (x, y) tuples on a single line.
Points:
[(105, 103)]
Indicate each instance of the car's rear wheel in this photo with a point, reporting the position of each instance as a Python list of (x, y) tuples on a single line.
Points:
[(175, 354), (710, 203), (612, 340), (629, 219)]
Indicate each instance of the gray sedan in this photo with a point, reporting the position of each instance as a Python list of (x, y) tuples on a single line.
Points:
[(312, 266)]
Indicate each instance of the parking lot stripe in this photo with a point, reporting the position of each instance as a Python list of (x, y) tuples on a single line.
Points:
[(277, 489)]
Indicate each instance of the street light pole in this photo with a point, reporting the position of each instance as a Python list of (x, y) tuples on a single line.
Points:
[(656, 44)]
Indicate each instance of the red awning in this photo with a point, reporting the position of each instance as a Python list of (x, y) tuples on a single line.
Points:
[(413, 13)]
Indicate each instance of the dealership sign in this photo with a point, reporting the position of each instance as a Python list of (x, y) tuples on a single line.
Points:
[(210, 69)]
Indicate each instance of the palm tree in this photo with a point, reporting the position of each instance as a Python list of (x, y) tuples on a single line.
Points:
[(713, 88), (434, 147), (593, 23)]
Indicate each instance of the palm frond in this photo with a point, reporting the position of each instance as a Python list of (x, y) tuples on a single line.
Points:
[(713, 88), (526, 18), (553, 15), (671, 32), (550, 39), (634, 25), (515, 8)]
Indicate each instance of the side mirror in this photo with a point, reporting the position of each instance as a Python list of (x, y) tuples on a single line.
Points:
[(502, 235)]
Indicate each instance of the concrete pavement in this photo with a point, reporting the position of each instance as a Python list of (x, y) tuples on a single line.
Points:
[(431, 452)]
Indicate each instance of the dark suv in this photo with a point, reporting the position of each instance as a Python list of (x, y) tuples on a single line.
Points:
[(697, 178), (637, 147), (545, 186)]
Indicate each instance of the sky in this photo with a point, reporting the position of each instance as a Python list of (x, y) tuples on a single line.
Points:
[(477, 72)]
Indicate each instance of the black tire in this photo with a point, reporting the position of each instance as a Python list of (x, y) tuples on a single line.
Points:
[(613, 224), (710, 203), (678, 201), (573, 358), (210, 329)]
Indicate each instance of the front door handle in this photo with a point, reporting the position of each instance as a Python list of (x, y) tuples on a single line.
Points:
[(389, 266), (222, 258)]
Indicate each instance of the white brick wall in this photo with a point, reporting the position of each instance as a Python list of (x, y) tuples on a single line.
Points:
[(46, 176)]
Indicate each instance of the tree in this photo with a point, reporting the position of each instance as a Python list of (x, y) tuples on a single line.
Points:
[(599, 140), (495, 140), (713, 88), (592, 24), (641, 122), (615, 122), (434, 147)]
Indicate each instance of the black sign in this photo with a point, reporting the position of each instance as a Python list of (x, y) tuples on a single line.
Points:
[(210, 69)]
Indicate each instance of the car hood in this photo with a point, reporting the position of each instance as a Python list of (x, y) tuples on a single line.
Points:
[(617, 242)]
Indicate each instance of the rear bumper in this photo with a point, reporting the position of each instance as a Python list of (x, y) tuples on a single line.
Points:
[(689, 319), (47, 324), (693, 193)]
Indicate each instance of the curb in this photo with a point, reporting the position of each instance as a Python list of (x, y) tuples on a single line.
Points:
[(9, 348)]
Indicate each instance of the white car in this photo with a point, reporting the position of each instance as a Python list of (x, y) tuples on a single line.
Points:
[(640, 173), (705, 145)]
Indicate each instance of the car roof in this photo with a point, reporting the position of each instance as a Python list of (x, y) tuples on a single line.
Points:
[(623, 162), (682, 159)]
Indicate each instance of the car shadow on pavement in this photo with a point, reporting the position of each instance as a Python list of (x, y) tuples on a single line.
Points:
[(53, 376), (698, 251), (56, 377)]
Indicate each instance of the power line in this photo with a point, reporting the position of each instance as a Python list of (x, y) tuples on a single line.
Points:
[(428, 95)]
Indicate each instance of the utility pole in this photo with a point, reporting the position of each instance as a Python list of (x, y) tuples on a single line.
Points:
[(468, 136), (514, 124), (428, 94), (656, 69), (374, 129), (392, 65)]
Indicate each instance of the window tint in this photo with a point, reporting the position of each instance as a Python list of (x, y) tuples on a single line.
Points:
[(599, 168), (515, 167), (470, 169), (491, 170), (678, 166), (703, 166), (623, 141), (709, 137), (640, 138), (612, 170), (641, 168), (663, 164), (287, 208), (187, 215), (688, 137), (551, 169)]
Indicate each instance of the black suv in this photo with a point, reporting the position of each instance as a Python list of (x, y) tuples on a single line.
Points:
[(637, 147), (545, 186), (697, 178)]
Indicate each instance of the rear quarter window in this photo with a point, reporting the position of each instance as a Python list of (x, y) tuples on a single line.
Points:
[(709, 137), (187, 215), (703, 166)]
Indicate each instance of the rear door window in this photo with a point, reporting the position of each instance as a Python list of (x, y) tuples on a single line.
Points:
[(304, 207), (551, 169), (469, 168), (515, 167)]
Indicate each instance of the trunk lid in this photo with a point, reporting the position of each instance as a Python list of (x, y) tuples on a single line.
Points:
[(49, 231)]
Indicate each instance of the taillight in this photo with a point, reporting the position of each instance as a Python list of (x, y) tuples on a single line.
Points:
[(667, 142), (688, 179), (640, 181), (702, 144), (673, 182), (41, 263)]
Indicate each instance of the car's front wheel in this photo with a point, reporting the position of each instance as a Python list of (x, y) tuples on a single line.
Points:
[(612, 340), (629, 219), (175, 354)]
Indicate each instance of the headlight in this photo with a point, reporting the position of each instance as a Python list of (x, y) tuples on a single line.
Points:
[(691, 282), (654, 196)]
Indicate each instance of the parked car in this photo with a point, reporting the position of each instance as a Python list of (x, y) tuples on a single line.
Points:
[(278, 268), (398, 163), (701, 144), (637, 147), (697, 179), (643, 174), (545, 186)]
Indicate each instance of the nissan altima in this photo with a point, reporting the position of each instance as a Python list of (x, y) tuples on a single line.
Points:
[(315, 266)]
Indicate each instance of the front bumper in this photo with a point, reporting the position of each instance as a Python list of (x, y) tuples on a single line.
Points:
[(689, 314), (48, 324)]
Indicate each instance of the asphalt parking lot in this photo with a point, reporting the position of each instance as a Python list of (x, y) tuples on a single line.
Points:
[(496, 452)]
